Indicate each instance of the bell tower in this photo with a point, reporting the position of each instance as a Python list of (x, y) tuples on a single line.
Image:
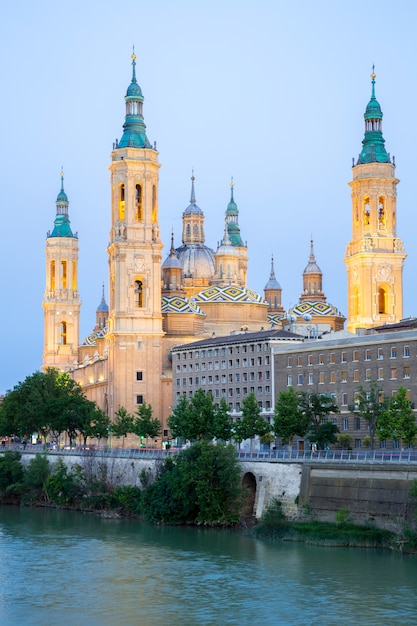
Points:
[(135, 319), (61, 303), (375, 256)]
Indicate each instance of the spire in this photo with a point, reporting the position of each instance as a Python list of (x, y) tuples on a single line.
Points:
[(312, 279), (192, 208), (103, 305), (62, 227), (134, 128), (232, 219), (272, 283), (373, 149)]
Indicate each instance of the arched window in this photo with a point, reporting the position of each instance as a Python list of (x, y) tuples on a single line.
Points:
[(63, 274), (188, 229), (63, 335), (52, 277), (121, 202), (74, 275), (381, 213), (382, 301), (366, 211), (138, 203), (195, 229), (154, 207), (139, 293)]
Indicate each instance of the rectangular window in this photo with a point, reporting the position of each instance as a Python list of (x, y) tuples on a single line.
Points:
[(344, 398), (267, 360), (224, 364), (299, 379), (393, 352), (197, 380), (355, 376), (237, 378), (203, 380), (368, 375), (267, 389), (344, 376), (139, 399), (406, 352), (267, 375), (355, 356), (380, 353), (230, 378), (343, 357), (197, 367), (345, 423), (178, 382), (245, 391), (245, 362), (289, 380), (380, 373), (260, 391), (321, 378), (237, 363), (358, 443), (332, 377), (310, 378), (238, 391), (310, 359), (393, 373), (260, 360), (321, 359), (139, 375), (332, 358), (289, 361), (406, 371), (367, 355), (357, 423), (299, 361)]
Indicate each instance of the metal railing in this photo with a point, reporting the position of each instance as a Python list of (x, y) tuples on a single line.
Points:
[(273, 456)]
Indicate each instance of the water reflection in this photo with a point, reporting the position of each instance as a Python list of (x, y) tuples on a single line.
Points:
[(69, 568)]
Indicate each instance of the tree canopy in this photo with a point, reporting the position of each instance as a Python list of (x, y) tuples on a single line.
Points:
[(289, 418), (199, 419), (48, 402)]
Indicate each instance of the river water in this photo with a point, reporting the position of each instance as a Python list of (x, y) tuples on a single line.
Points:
[(66, 568)]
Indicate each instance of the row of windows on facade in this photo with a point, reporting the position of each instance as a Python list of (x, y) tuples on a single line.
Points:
[(217, 365), (210, 366), (352, 399), (332, 357), (343, 376), (138, 203), (62, 282), (221, 393), (233, 378), (210, 380), (222, 351)]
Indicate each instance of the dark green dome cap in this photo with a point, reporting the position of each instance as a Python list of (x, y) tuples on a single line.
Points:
[(373, 150), (62, 226), (134, 128)]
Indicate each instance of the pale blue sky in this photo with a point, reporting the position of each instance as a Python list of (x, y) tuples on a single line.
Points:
[(270, 92)]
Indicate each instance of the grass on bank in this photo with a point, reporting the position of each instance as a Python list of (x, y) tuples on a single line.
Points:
[(342, 533)]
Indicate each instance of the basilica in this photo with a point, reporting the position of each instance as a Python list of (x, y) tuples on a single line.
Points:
[(196, 292)]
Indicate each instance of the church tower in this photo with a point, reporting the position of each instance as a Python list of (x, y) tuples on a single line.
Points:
[(375, 256), (61, 303), (135, 319)]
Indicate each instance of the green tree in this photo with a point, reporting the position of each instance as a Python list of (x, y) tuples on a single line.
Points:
[(12, 476), (369, 405), (199, 485), (289, 419), (45, 402), (123, 423), (144, 425), (98, 426), (222, 426), (317, 407), (194, 418), (251, 423), (397, 420)]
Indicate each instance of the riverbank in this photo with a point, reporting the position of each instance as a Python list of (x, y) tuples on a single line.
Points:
[(343, 533)]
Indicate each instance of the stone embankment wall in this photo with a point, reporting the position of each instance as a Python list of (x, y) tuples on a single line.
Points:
[(377, 493), (371, 492)]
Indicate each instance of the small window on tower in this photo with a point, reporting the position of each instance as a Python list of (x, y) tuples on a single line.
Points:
[(139, 293), (139, 375), (381, 301), (63, 336), (366, 211), (52, 275), (121, 202), (381, 213), (154, 205), (138, 203), (63, 274)]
